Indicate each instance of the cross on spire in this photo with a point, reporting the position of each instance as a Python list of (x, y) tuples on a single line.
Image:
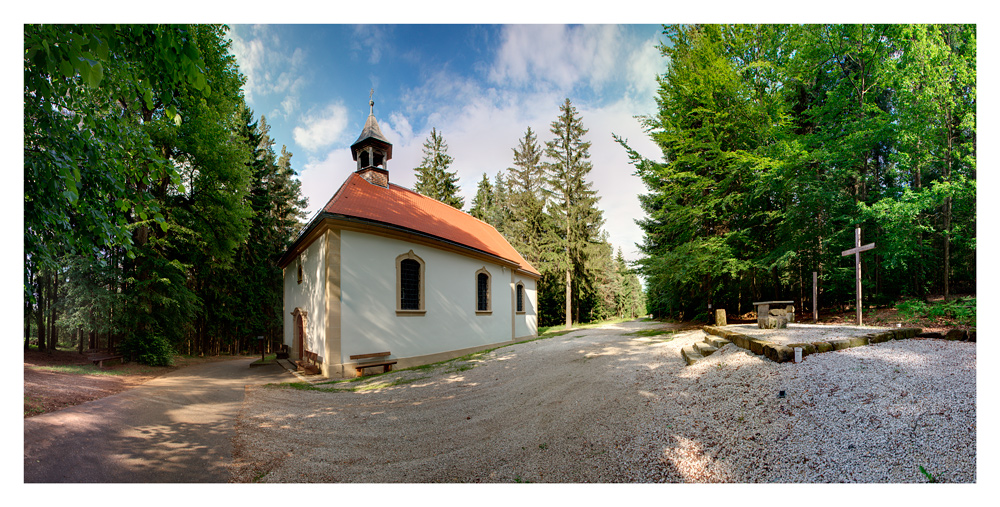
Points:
[(371, 103)]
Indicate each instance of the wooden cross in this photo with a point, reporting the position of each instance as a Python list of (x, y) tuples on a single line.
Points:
[(858, 248)]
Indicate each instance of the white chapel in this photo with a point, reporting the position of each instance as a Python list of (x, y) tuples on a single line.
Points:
[(382, 269)]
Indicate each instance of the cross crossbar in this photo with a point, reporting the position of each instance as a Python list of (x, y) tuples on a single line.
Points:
[(859, 249)]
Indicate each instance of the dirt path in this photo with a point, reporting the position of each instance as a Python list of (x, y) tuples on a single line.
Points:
[(175, 428), (552, 410)]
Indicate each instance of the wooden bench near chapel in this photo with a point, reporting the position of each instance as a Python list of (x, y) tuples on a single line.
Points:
[(378, 360), (310, 364)]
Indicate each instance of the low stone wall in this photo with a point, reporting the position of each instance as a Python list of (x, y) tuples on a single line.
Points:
[(781, 353)]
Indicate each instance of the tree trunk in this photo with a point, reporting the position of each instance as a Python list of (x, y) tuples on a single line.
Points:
[(947, 206), (53, 338), (27, 323), (569, 315), (40, 310)]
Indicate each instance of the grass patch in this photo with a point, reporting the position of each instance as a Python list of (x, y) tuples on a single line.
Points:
[(560, 329), (651, 332), (32, 406), (267, 360), (82, 369)]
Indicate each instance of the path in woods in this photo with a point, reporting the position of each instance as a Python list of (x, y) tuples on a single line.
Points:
[(175, 428)]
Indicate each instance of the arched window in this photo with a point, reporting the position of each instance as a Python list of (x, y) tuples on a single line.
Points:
[(409, 284), (520, 297), (483, 299)]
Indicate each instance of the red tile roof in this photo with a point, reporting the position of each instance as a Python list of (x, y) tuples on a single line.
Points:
[(405, 208)]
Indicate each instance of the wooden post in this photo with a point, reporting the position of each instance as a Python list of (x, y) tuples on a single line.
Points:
[(815, 296), (858, 248)]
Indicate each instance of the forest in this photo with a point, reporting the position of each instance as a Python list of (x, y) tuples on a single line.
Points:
[(156, 203), (779, 140)]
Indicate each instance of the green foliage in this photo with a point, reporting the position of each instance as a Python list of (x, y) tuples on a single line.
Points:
[(152, 350), (912, 308), (150, 189), (484, 204), (92, 96), (433, 178), (779, 140), (930, 478), (961, 310)]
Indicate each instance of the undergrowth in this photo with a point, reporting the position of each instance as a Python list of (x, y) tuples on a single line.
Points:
[(961, 310)]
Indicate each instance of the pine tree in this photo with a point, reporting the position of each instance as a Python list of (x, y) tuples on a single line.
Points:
[(433, 178), (528, 174), (574, 202), (482, 203), (529, 227)]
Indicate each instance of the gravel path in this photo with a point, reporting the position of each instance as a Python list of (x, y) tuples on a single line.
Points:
[(601, 405)]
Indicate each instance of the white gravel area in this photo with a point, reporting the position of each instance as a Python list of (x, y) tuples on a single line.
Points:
[(600, 405), (803, 333)]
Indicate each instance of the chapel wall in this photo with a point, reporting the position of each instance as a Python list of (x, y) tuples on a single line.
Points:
[(310, 295), (369, 318), (526, 324)]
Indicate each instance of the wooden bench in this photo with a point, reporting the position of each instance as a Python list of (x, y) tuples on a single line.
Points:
[(386, 364), (99, 361), (310, 364)]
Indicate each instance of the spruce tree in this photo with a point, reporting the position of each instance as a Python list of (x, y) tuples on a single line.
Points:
[(574, 202), (482, 203), (433, 178), (527, 175)]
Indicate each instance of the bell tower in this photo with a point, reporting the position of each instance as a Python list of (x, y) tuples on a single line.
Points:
[(372, 151)]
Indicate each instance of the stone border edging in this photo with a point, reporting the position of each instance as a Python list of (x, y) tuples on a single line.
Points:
[(783, 353)]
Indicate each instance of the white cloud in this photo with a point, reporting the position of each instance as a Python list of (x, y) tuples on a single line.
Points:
[(372, 39), (270, 67), (398, 127), (322, 129), (563, 56), (321, 178), (645, 63)]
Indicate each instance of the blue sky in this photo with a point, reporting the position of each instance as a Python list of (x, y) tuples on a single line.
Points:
[(481, 86)]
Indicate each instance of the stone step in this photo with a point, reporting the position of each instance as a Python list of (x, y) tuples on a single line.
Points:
[(705, 349), (700, 350), (690, 355), (716, 341)]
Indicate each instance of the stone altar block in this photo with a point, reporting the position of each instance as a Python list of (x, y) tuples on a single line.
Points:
[(774, 318)]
